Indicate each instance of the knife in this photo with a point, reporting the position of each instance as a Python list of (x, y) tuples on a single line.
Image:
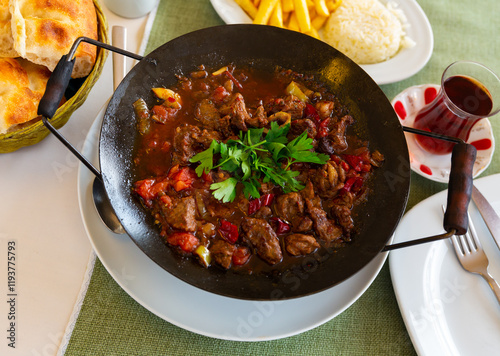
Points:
[(488, 213)]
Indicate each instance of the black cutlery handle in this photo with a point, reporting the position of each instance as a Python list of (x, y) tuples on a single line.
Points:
[(459, 188)]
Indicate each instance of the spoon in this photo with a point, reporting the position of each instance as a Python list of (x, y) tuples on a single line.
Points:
[(101, 200)]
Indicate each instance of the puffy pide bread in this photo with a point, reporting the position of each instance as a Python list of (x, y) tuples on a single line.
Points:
[(22, 85), (44, 30), (6, 39)]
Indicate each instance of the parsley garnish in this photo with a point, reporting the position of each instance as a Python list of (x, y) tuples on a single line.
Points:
[(253, 157)]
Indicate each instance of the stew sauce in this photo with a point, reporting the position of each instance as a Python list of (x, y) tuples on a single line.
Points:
[(261, 223)]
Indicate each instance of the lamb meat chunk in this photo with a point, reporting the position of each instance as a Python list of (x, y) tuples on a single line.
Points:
[(335, 141), (290, 104), (324, 227), (263, 238), (207, 114), (263, 212), (328, 179), (222, 253), (237, 111), (290, 207), (324, 108), (344, 218), (300, 244), (301, 125), (304, 224), (181, 213), (188, 141), (258, 119)]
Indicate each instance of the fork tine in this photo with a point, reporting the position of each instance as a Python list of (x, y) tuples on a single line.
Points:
[(465, 244), (459, 250), (473, 233)]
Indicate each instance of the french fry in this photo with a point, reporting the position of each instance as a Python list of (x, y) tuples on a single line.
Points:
[(287, 5), (256, 3), (313, 33), (333, 4), (293, 23), (264, 12), (302, 13), (318, 22), (277, 16), (321, 9), (248, 6)]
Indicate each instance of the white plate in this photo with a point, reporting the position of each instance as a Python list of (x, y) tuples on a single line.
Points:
[(447, 310), (437, 167), (405, 64), (198, 311)]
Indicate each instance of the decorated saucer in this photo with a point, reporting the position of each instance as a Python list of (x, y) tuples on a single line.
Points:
[(432, 166)]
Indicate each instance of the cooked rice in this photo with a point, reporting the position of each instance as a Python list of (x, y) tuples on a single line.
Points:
[(367, 31)]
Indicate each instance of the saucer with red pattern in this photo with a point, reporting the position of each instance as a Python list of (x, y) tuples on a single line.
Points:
[(432, 166)]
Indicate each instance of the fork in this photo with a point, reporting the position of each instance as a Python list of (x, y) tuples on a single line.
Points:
[(472, 257)]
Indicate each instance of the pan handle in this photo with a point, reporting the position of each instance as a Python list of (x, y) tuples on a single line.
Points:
[(459, 194), (57, 85)]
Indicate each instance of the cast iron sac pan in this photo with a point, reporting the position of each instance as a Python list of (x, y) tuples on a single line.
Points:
[(262, 47)]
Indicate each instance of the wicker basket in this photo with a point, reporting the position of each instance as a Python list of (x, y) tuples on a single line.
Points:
[(34, 133)]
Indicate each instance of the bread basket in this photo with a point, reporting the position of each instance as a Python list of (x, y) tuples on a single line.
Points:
[(35, 131)]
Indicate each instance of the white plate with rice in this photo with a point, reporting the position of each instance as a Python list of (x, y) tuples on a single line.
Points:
[(415, 38)]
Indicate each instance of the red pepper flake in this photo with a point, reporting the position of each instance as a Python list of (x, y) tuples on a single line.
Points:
[(255, 204), (353, 184), (233, 79), (228, 231), (323, 128), (241, 256), (311, 113), (281, 226), (357, 163)]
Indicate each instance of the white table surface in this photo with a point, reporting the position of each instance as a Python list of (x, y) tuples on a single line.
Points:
[(39, 211)]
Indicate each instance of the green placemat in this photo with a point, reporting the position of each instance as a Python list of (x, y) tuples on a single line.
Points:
[(112, 323)]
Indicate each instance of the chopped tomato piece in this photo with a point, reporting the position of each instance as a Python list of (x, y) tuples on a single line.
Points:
[(182, 178), (219, 94), (228, 231), (148, 189), (163, 114), (185, 240)]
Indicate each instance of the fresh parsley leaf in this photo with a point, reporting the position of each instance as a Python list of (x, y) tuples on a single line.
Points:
[(277, 133), (225, 190), (251, 187), (253, 157), (206, 158)]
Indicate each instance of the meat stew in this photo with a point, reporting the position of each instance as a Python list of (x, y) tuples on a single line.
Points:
[(244, 169)]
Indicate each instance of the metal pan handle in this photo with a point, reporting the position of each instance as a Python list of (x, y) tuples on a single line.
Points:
[(459, 191), (57, 85)]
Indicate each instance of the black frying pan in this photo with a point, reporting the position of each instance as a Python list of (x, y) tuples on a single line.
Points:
[(263, 47)]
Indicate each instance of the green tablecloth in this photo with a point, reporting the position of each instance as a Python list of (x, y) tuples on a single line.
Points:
[(112, 323)]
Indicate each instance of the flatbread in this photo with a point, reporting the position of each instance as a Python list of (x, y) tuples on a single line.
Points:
[(6, 39), (22, 85), (44, 30)]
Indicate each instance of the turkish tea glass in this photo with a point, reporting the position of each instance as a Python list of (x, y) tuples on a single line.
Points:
[(469, 92)]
